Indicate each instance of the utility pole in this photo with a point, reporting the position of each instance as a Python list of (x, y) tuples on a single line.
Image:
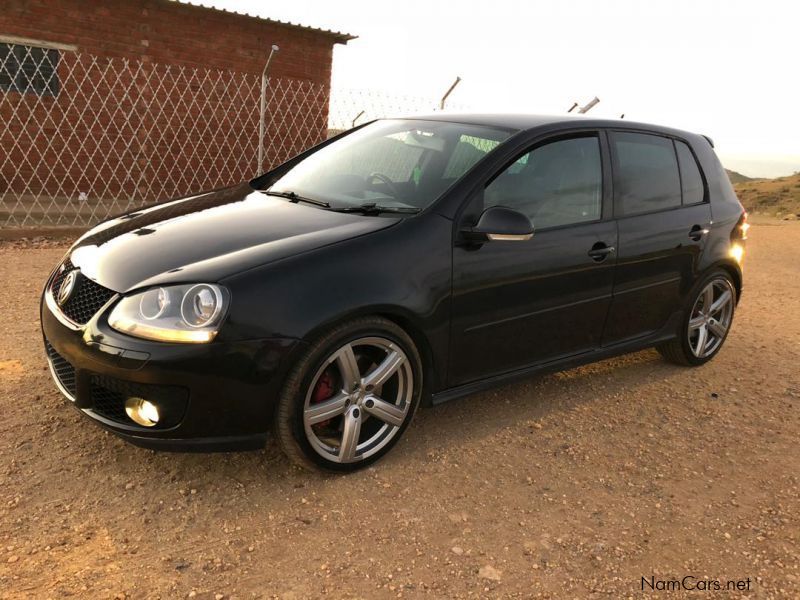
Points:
[(262, 113)]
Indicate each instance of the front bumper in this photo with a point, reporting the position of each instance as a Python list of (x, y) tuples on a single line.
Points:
[(217, 396)]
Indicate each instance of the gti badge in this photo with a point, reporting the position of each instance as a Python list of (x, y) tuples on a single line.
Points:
[(67, 287)]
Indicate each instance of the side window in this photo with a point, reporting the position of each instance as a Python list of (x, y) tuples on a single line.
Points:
[(646, 173), (559, 183), (691, 181)]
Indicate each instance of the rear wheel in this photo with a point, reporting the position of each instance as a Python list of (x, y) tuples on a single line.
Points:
[(706, 322), (350, 397)]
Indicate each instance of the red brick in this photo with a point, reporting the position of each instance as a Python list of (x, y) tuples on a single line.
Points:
[(112, 138)]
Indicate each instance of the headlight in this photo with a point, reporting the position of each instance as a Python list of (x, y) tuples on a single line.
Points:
[(179, 313)]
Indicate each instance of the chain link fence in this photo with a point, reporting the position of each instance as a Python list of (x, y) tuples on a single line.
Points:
[(83, 138)]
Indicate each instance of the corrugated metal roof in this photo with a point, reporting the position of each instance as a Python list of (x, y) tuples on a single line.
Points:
[(338, 36)]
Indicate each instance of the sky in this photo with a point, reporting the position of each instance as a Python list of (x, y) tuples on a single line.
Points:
[(727, 69)]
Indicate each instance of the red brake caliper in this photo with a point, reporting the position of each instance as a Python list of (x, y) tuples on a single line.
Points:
[(323, 391)]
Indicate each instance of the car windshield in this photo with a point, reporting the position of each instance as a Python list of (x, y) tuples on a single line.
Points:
[(397, 165)]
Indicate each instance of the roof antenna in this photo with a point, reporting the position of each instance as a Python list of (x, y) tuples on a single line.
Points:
[(573, 107), (622, 116), (589, 105), (448, 92)]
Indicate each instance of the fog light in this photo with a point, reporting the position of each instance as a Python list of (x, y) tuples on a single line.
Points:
[(141, 411)]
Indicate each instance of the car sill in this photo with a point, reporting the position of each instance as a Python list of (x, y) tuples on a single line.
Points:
[(569, 362)]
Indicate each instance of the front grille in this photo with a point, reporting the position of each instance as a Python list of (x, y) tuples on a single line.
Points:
[(65, 268), (86, 299), (109, 396), (63, 371)]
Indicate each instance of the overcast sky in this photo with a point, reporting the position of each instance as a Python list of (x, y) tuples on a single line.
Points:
[(728, 69)]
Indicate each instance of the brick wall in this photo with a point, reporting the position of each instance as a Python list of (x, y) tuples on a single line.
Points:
[(180, 116), (166, 31)]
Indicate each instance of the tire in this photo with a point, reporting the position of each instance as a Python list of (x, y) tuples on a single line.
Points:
[(335, 392), (685, 350)]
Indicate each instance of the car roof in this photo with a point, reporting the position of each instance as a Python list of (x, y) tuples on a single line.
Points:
[(526, 122)]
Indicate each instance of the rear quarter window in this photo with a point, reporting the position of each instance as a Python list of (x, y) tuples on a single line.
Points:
[(646, 175), (692, 186)]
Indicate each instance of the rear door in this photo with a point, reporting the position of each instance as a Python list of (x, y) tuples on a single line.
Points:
[(663, 217), (517, 303)]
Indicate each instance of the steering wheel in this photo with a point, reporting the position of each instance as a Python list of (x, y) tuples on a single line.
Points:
[(384, 179)]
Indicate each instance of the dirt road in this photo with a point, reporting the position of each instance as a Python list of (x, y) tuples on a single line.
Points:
[(576, 484)]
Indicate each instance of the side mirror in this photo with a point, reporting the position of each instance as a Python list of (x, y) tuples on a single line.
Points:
[(498, 223)]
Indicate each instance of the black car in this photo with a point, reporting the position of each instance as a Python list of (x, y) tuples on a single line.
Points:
[(406, 261)]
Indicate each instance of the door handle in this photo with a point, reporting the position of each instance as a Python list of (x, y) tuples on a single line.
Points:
[(697, 232), (600, 252)]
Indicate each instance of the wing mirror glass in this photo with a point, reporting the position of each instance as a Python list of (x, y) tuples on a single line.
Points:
[(498, 223)]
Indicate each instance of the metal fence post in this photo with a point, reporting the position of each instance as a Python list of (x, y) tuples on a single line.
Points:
[(448, 92), (357, 117), (588, 106), (262, 113)]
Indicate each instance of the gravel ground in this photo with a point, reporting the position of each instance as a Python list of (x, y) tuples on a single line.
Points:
[(575, 484)]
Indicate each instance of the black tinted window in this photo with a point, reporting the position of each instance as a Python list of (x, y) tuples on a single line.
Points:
[(691, 180), (646, 176), (559, 183)]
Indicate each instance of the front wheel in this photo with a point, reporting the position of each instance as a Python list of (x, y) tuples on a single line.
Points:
[(706, 322), (350, 397)]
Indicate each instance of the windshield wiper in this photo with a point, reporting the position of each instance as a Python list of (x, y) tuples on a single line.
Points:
[(293, 197), (370, 208)]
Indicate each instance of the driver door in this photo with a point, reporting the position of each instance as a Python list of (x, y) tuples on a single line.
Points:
[(520, 303)]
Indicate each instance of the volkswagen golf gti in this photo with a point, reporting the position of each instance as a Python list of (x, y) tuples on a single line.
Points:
[(404, 262)]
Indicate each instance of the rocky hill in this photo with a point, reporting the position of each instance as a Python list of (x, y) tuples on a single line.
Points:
[(779, 197)]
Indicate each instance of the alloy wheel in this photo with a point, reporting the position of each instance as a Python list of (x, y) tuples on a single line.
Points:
[(711, 317), (358, 400)]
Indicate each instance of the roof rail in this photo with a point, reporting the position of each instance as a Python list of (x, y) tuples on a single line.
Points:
[(709, 140)]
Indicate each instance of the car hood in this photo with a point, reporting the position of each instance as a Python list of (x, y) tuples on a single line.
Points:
[(208, 237)]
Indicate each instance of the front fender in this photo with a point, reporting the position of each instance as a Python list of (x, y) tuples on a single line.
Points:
[(402, 273)]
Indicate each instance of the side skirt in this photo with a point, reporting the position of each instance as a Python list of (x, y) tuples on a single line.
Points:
[(668, 332)]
